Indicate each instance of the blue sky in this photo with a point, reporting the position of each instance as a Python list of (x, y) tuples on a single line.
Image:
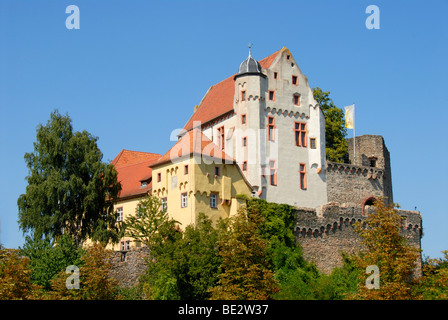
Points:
[(134, 71)]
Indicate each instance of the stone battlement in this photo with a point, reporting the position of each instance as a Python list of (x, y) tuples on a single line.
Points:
[(326, 232)]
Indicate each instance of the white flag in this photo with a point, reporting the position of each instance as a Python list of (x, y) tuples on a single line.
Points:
[(350, 116)]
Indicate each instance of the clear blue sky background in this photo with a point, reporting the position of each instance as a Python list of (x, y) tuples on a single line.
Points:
[(134, 71)]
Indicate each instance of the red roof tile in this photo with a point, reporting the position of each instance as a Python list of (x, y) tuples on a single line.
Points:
[(126, 157), (196, 143), (219, 98), (133, 168)]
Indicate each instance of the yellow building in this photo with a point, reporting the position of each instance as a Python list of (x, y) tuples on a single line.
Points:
[(196, 176)]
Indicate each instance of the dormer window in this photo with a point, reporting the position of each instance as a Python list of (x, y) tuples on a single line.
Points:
[(144, 184)]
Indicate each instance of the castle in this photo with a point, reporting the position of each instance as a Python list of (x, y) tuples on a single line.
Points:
[(260, 132)]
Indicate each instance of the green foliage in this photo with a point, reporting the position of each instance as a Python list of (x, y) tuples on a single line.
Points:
[(335, 131), (95, 280), (69, 187), (48, 258), (150, 223), (434, 283), (184, 266), (245, 272), (386, 248)]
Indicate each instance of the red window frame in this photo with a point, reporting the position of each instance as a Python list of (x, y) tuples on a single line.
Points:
[(302, 176), (271, 129), (295, 80), (273, 172), (271, 95), (296, 99), (300, 133)]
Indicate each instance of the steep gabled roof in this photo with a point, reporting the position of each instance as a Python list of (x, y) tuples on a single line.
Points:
[(194, 143), (133, 169), (126, 157), (219, 98)]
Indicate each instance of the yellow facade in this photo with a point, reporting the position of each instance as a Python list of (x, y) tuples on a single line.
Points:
[(199, 183)]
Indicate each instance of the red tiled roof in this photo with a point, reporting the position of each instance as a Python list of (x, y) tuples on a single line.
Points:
[(133, 168), (194, 142), (219, 98), (126, 157)]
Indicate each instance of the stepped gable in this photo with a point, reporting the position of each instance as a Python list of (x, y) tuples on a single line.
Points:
[(219, 98)]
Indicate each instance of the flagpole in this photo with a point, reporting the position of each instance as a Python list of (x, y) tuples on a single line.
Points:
[(354, 136)]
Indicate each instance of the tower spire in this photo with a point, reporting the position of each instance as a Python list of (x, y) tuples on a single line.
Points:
[(249, 45)]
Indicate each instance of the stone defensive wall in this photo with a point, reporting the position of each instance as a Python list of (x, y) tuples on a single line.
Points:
[(355, 183), (328, 231)]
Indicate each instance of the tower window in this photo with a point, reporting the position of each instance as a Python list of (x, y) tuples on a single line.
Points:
[(297, 99), (244, 165), (186, 169), (216, 171), (300, 134), (271, 95), (184, 200), (159, 177), (273, 172), (275, 75), (213, 200), (243, 119), (271, 127), (164, 202), (302, 173), (313, 143), (294, 80), (244, 141), (243, 95)]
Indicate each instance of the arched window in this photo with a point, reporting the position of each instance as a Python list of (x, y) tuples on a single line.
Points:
[(368, 202)]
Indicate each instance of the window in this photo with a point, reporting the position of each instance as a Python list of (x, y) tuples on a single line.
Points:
[(271, 127), (244, 140), (297, 99), (120, 214), (294, 80), (140, 211), (144, 184), (302, 173), (313, 143), (300, 134), (186, 169), (216, 171), (122, 247), (221, 138), (128, 245), (164, 204), (159, 177), (244, 165), (271, 95), (287, 57), (243, 95), (275, 75), (273, 172), (213, 200), (184, 200), (243, 119)]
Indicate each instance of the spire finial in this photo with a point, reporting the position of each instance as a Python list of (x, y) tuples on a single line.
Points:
[(250, 47)]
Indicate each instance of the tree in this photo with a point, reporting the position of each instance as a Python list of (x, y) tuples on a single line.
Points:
[(15, 277), (95, 282), (149, 222), (70, 190), (434, 283), (47, 258), (185, 265), (387, 249), (335, 131), (245, 269)]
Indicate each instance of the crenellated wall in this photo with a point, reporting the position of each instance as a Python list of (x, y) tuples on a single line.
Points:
[(326, 232)]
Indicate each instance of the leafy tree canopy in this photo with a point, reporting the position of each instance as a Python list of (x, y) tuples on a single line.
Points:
[(69, 188), (335, 131)]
